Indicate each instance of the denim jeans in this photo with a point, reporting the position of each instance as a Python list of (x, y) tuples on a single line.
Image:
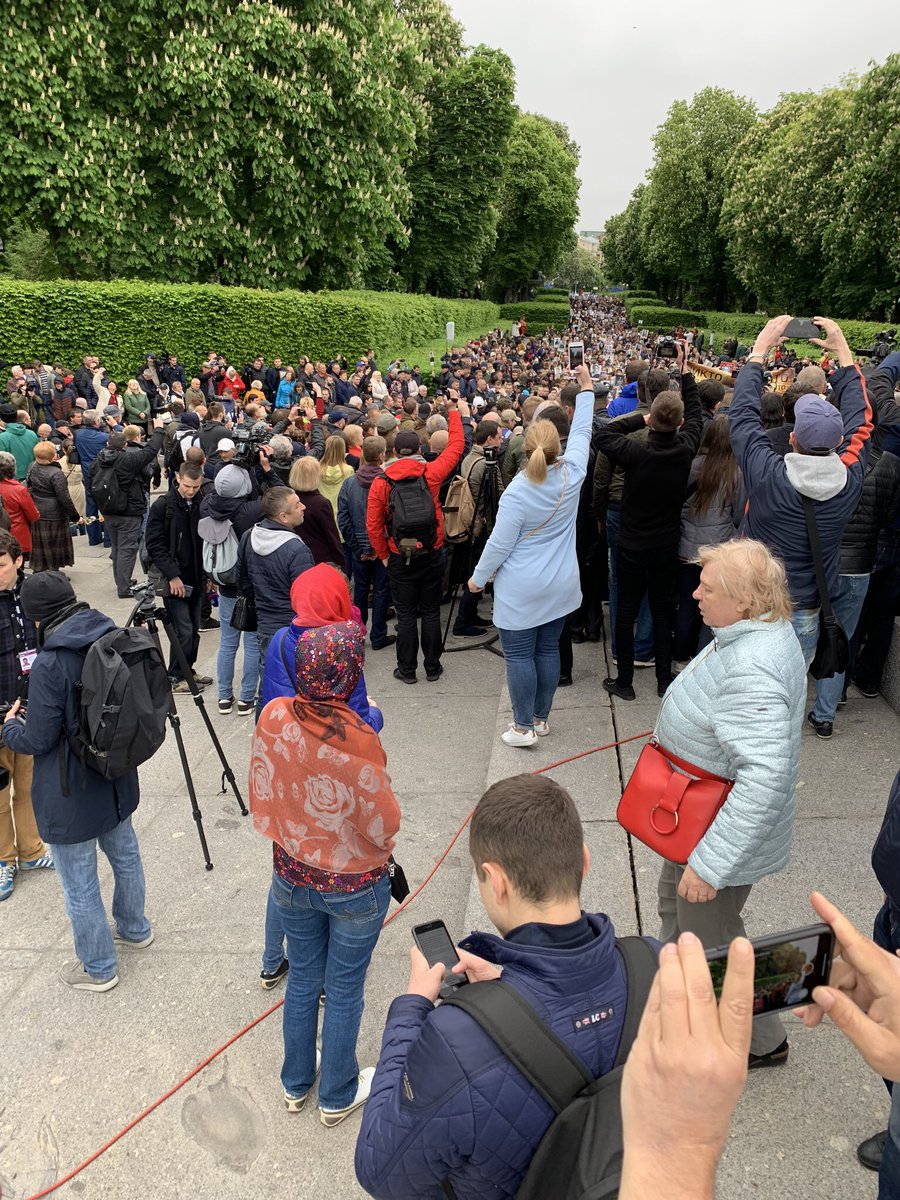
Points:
[(76, 866), (330, 937), (273, 948), (96, 532), (532, 670), (643, 637), (372, 573), (229, 640), (847, 605), (806, 626)]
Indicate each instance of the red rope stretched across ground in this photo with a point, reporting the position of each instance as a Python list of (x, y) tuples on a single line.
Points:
[(275, 1007)]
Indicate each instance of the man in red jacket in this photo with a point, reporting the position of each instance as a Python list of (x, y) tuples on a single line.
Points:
[(405, 524)]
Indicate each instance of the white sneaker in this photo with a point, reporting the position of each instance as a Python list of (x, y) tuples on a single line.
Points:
[(334, 1116), (513, 737), (541, 728)]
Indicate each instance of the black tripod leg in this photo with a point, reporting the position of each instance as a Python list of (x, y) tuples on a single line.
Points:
[(188, 675), (175, 722)]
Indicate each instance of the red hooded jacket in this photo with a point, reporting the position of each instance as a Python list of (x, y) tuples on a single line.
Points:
[(378, 511)]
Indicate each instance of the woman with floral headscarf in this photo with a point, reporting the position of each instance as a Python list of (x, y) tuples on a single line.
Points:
[(320, 791)]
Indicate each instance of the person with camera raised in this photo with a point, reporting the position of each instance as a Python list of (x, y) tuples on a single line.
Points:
[(829, 451)]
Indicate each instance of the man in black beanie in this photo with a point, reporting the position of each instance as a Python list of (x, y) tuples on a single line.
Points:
[(75, 807)]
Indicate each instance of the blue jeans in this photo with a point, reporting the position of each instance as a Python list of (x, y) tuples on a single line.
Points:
[(847, 605), (273, 949), (96, 532), (806, 626), (262, 645), (368, 573), (228, 647), (76, 866), (330, 937), (643, 636), (532, 670)]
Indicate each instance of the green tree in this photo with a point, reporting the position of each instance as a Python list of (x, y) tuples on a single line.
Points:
[(681, 211), (251, 143), (538, 203), (783, 196), (454, 213), (579, 267)]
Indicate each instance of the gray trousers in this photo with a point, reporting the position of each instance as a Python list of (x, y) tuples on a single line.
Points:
[(125, 538), (715, 923)]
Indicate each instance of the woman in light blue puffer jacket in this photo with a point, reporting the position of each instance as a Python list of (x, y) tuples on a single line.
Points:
[(737, 710)]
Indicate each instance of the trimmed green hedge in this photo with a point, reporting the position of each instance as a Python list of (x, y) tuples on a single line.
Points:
[(745, 327), (538, 314), (123, 321), (664, 320), (628, 294), (643, 302), (554, 292)]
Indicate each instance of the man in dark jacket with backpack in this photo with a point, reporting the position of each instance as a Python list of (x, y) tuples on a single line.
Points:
[(405, 524), (118, 479), (368, 570), (75, 807), (449, 1114)]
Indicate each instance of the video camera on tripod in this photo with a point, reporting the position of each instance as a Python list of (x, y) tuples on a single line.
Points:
[(248, 443), (882, 346)]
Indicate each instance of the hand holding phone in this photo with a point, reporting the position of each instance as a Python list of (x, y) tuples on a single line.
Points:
[(802, 329), (576, 355), (436, 946), (788, 967)]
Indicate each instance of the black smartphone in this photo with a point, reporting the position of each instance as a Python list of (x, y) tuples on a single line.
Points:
[(576, 355), (436, 944), (788, 967), (802, 329)]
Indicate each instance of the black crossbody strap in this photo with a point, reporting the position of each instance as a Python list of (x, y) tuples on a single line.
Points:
[(546, 1061), (510, 1021), (641, 965), (813, 531)]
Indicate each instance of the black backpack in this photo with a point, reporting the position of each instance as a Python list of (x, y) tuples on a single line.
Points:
[(413, 517), (123, 700), (106, 488), (580, 1155)]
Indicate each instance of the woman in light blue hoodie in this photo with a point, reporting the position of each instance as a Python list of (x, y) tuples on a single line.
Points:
[(531, 553), (737, 710)]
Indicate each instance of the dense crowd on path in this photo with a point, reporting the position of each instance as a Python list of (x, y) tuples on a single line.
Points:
[(736, 508)]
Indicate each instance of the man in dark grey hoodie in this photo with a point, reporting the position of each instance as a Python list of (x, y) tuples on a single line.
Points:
[(368, 570), (270, 557)]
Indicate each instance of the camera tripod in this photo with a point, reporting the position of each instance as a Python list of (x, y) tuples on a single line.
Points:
[(147, 613), (488, 503)]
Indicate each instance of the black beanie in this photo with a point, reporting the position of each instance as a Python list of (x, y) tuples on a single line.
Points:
[(44, 594)]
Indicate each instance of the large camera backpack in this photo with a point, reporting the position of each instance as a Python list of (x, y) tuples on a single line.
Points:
[(413, 517), (580, 1155), (123, 701)]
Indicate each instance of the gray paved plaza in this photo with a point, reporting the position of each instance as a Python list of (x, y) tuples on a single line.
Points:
[(77, 1067)]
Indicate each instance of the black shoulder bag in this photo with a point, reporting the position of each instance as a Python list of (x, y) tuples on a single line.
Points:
[(832, 651)]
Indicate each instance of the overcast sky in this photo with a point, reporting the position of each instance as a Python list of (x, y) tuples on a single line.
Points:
[(610, 69)]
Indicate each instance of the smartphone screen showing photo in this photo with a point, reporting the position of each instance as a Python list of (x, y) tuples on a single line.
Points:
[(787, 969)]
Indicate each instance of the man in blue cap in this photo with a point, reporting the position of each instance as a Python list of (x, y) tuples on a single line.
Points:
[(829, 448)]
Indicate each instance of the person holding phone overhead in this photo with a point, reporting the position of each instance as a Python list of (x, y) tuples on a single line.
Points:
[(736, 710), (534, 539)]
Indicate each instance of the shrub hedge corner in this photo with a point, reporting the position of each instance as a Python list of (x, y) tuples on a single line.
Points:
[(538, 314), (663, 320)]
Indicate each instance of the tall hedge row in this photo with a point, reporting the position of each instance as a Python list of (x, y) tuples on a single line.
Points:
[(538, 314), (665, 319), (745, 327), (121, 322)]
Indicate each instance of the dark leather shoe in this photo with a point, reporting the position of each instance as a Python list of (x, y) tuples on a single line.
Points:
[(824, 729), (565, 679), (617, 689), (871, 1151), (775, 1058), (484, 622), (398, 674), (662, 686), (388, 641), (469, 631), (577, 636), (434, 676)]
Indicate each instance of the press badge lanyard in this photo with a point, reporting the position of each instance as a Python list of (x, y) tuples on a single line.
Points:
[(26, 657)]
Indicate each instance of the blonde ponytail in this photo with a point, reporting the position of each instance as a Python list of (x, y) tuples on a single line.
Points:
[(542, 449)]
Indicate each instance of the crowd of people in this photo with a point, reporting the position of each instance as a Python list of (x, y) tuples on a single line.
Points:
[(738, 512)]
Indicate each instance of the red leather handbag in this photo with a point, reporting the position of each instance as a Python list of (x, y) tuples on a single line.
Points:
[(667, 810)]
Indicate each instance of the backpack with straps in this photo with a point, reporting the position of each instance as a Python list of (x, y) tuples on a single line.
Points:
[(412, 516), (580, 1155), (460, 518), (123, 701), (220, 551), (106, 488)]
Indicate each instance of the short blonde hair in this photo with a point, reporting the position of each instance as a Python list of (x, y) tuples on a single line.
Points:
[(305, 474), (749, 573), (353, 435), (44, 452)]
